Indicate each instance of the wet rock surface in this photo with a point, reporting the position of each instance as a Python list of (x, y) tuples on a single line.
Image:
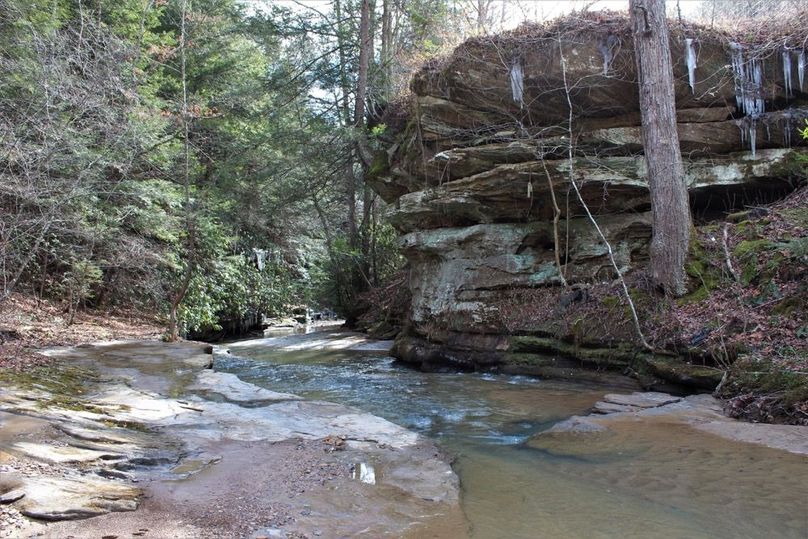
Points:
[(154, 430)]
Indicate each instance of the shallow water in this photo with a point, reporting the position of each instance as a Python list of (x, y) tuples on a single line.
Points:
[(660, 480)]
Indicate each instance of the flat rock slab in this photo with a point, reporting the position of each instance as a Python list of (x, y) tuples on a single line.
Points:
[(107, 436), (171, 425), (791, 438), (601, 407), (576, 425), (62, 454), (701, 412), (12, 496), (638, 399), (233, 388), (50, 498)]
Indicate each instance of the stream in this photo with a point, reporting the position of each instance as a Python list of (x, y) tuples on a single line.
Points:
[(660, 480)]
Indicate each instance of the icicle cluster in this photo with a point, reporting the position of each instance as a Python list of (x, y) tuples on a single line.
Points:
[(748, 93), (517, 83), (787, 70), (690, 59), (748, 83)]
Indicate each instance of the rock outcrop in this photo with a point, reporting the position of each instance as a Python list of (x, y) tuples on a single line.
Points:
[(483, 162)]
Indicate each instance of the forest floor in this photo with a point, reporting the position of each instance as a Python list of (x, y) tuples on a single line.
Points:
[(28, 325)]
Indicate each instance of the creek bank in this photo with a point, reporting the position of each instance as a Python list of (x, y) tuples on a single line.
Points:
[(650, 410), (106, 429)]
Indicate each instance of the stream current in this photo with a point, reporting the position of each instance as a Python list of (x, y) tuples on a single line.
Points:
[(657, 480)]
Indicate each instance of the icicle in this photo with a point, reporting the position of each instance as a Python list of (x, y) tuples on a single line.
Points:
[(759, 106), (801, 68), (787, 129), (768, 130), (606, 48), (690, 59), (742, 129), (787, 72), (517, 83), (752, 136)]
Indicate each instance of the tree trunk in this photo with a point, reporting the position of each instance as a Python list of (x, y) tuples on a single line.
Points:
[(173, 319), (669, 198), (364, 50), (190, 222), (482, 15), (349, 178), (386, 50)]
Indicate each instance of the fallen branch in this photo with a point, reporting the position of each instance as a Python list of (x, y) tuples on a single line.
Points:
[(727, 257), (556, 217)]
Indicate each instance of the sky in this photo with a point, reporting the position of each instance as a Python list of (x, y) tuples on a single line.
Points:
[(519, 11)]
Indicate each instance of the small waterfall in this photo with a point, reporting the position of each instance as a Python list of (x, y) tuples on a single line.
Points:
[(801, 68), (690, 59), (517, 83)]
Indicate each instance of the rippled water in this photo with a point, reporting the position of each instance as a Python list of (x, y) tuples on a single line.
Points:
[(661, 480)]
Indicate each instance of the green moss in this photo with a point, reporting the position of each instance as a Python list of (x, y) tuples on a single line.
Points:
[(700, 294), (608, 357), (748, 248), (747, 253), (703, 272), (132, 425), (796, 248), (63, 384), (379, 166), (533, 360), (796, 216), (611, 301), (789, 305), (674, 369), (761, 377), (56, 378)]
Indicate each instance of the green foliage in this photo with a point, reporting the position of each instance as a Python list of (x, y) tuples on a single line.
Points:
[(762, 377), (95, 208), (233, 290)]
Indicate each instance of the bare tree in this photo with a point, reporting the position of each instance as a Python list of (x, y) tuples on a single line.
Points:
[(669, 198)]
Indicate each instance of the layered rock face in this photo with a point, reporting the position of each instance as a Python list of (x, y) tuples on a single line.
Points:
[(480, 178)]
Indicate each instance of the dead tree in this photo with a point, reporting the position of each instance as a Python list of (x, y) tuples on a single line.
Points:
[(669, 199)]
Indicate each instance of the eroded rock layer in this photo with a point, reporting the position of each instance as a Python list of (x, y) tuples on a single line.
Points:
[(479, 175)]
